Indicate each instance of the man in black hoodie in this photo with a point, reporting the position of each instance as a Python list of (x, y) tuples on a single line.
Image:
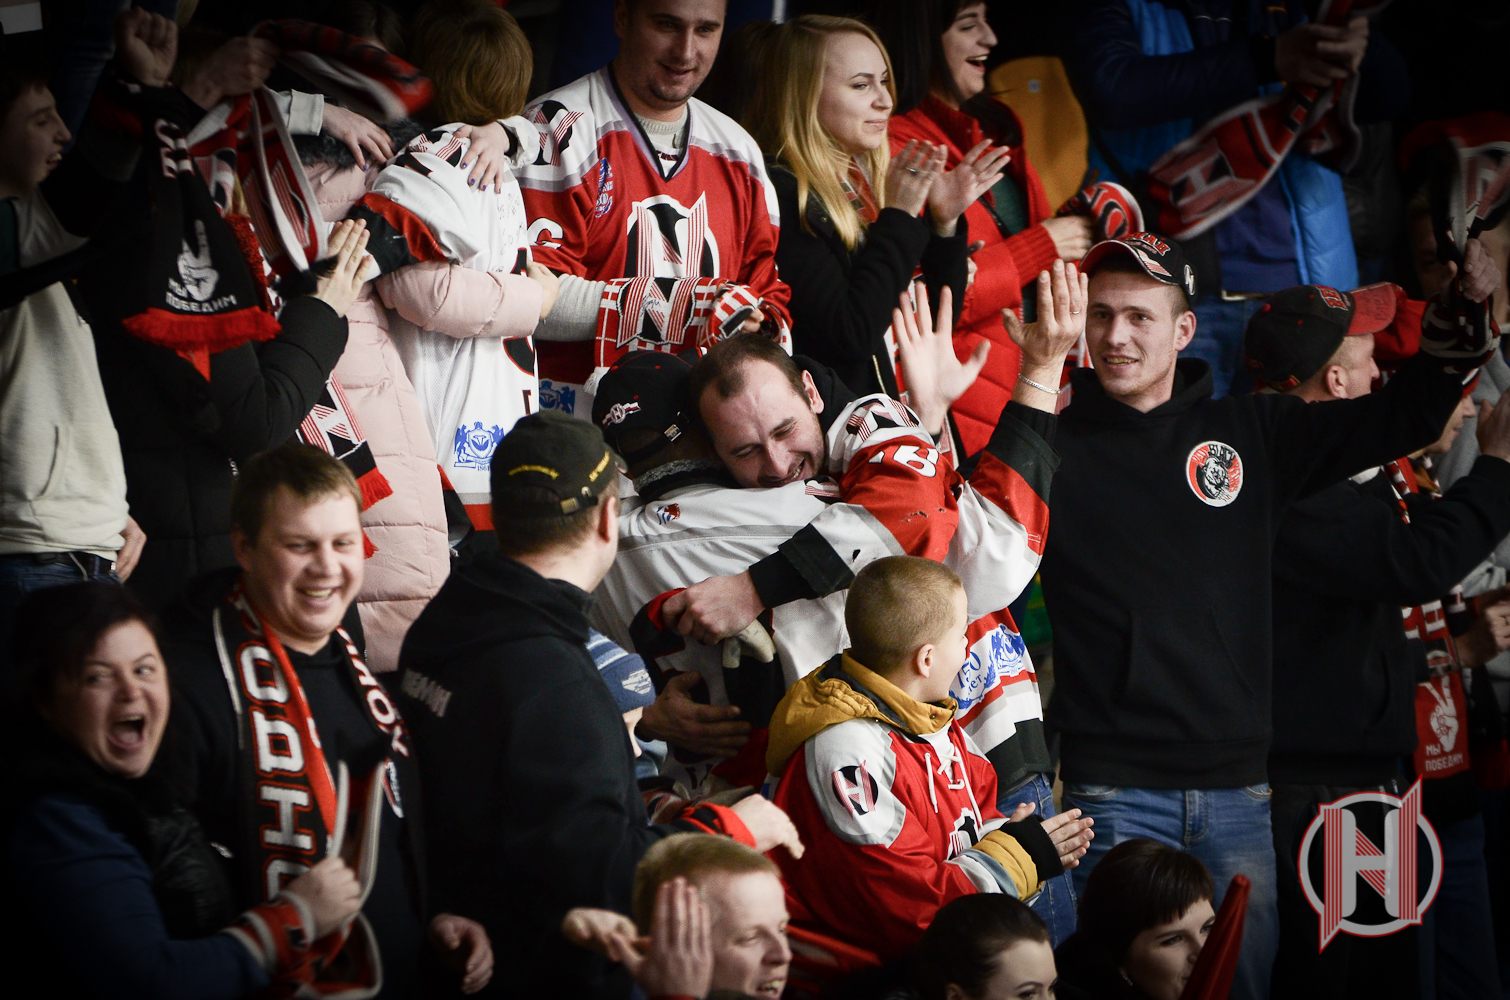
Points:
[(1345, 675), (531, 802), (1157, 573)]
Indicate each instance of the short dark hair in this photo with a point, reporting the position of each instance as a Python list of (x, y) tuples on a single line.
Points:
[(965, 941), (723, 367), (1121, 263), (23, 67), (58, 627), (1139, 884), (528, 536), (307, 472)]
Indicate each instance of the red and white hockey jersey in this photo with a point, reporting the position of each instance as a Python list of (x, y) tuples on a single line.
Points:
[(602, 208), (422, 208), (901, 496), (896, 807)]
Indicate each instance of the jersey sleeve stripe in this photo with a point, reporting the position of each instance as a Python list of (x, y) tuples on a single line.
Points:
[(1018, 446), (1005, 486), (398, 236)]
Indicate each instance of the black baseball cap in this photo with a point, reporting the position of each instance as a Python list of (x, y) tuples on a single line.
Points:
[(551, 451), (1293, 334), (1160, 259), (644, 390)]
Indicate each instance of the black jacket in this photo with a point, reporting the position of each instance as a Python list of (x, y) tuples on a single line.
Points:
[(1157, 574), (531, 801), (842, 299), (182, 437), (1344, 564)]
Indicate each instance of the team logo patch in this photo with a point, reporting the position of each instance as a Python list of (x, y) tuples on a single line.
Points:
[(856, 790), (475, 445), (1215, 473), (618, 411), (1150, 241), (605, 189), (1332, 297), (668, 513), (557, 397)]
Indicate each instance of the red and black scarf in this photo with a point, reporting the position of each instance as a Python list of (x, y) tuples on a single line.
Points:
[(297, 808)]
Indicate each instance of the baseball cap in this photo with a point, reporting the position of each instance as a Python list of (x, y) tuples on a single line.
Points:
[(1293, 334), (553, 452), (644, 390), (1160, 259)]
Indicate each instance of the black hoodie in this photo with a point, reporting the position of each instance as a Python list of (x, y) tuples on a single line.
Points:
[(1157, 574), (531, 804)]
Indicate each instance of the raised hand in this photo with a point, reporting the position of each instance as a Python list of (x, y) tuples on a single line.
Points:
[(238, 67), (145, 46), (1071, 835), (934, 375), (679, 959), (353, 266), (1062, 296), (911, 175), (955, 190), (359, 134), (1480, 278)]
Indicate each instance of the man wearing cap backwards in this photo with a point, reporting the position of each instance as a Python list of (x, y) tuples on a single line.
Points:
[(1157, 574), (1345, 563), (532, 806)]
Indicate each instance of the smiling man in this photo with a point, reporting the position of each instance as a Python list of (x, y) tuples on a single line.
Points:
[(1157, 574), (654, 208), (272, 696)]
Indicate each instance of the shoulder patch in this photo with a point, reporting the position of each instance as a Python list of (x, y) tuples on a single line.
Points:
[(851, 768)]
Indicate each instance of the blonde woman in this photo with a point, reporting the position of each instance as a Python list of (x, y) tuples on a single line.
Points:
[(853, 225)]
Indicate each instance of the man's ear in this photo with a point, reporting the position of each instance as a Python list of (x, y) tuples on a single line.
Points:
[(1184, 329), (814, 399), (242, 546), (608, 519), (1336, 387), (620, 17), (922, 660)]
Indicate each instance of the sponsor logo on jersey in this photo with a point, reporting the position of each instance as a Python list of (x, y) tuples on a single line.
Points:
[(618, 411), (605, 189), (666, 513), (1215, 473), (475, 446), (561, 397), (855, 789), (995, 657)]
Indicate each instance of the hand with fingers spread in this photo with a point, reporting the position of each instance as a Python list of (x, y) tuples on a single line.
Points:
[(934, 375), (910, 177), (145, 46), (238, 67), (1063, 293), (679, 720), (955, 190), (677, 959), (488, 155), (463, 945), (353, 266), (1071, 835), (368, 141)]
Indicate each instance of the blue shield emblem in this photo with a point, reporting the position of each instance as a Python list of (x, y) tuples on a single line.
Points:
[(475, 446)]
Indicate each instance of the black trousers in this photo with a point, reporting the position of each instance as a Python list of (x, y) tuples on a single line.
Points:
[(1351, 968)]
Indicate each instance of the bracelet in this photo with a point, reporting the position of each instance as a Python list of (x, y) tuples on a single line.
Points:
[(1038, 385)]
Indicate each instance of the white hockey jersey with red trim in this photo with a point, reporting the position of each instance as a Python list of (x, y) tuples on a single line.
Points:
[(602, 208)]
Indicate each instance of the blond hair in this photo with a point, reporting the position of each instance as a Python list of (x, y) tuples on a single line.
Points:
[(690, 855), (896, 605), (783, 118), (476, 55)]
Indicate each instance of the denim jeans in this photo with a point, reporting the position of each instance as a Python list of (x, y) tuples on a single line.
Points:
[(19, 576), (1056, 900), (1219, 329), (1457, 932), (1228, 829)]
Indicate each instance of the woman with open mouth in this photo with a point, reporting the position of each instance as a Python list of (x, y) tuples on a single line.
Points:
[(124, 894)]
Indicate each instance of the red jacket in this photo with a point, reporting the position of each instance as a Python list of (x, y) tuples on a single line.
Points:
[(1004, 264)]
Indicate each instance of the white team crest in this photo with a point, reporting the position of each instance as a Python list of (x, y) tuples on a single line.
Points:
[(196, 278), (1215, 473)]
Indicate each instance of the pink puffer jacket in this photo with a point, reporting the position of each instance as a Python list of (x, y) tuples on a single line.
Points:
[(413, 557)]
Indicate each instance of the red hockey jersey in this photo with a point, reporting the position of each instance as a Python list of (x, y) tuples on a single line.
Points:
[(601, 208)]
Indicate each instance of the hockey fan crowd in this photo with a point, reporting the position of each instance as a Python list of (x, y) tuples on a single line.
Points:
[(676, 499)]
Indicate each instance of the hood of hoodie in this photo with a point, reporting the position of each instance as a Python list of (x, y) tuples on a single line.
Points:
[(841, 690), (1192, 385), (495, 600)]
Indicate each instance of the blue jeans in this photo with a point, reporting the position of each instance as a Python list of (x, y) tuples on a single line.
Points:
[(20, 576), (1228, 829), (1219, 329), (1457, 932), (1056, 900)]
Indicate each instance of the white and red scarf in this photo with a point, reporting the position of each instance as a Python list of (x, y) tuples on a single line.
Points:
[(296, 808), (1214, 172)]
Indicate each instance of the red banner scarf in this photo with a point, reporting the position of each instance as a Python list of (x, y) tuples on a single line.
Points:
[(1212, 174)]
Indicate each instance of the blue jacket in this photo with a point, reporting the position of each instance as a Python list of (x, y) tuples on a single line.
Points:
[(1149, 71)]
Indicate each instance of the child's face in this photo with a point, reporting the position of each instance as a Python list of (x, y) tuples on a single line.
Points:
[(950, 651), (32, 137)]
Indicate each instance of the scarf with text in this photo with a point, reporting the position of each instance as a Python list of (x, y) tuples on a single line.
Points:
[(294, 804), (1214, 172)]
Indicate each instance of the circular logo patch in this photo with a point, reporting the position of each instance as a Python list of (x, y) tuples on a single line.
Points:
[(1215, 473)]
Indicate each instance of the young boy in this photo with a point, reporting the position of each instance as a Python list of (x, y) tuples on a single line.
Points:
[(895, 803)]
